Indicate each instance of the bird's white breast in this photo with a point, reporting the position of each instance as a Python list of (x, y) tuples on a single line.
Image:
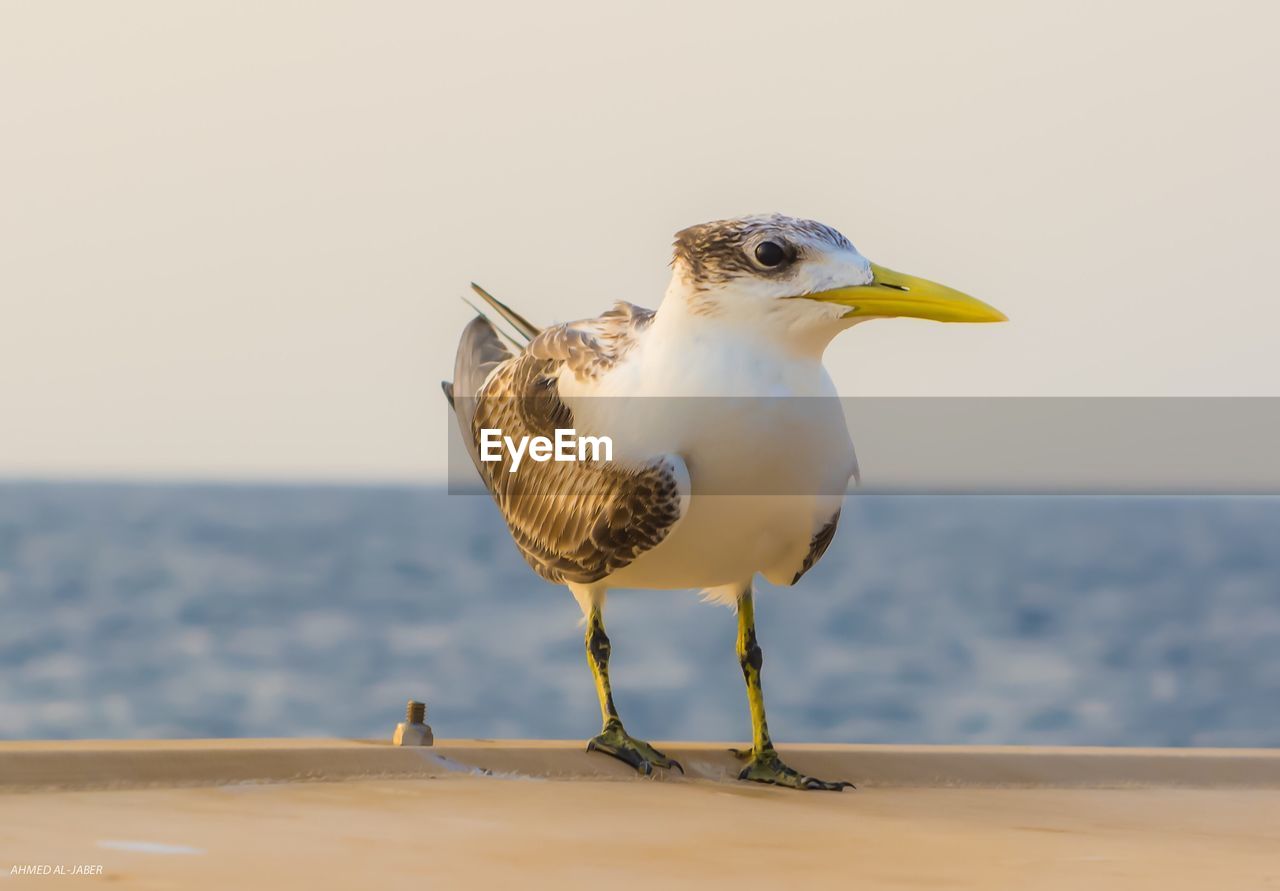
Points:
[(761, 431)]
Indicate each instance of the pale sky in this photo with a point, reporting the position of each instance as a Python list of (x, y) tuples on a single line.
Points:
[(233, 237)]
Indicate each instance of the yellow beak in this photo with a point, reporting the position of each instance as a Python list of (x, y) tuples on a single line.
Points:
[(895, 295)]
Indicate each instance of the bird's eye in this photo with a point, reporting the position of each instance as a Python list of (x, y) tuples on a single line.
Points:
[(770, 254)]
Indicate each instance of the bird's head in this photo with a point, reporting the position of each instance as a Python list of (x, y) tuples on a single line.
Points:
[(801, 277)]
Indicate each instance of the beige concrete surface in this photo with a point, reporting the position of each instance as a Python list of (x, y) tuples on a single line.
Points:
[(487, 832), (85, 764), (532, 814)]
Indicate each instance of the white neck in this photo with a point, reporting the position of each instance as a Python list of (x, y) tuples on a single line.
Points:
[(798, 329)]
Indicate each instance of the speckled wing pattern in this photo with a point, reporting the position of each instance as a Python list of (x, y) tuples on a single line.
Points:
[(590, 347), (573, 521)]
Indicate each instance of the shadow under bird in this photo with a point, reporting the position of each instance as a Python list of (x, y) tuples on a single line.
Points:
[(752, 305)]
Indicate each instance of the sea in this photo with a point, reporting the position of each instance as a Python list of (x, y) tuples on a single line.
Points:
[(166, 610)]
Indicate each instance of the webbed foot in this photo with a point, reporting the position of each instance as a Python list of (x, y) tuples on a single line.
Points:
[(639, 754), (767, 767)]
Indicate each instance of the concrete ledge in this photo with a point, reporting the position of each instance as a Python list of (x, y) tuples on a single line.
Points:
[(93, 764), (241, 813)]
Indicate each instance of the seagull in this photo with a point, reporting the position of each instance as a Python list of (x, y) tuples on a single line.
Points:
[(731, 454)]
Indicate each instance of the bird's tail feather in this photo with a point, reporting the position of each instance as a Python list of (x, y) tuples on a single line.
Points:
[(480, 351), (481, 347), (526, 328)]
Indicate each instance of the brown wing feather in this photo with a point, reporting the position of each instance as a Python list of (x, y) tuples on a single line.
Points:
[(818, 546), (572, 521), (591, 347)]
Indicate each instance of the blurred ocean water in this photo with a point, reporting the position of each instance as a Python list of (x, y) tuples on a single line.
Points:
[(188, 611)]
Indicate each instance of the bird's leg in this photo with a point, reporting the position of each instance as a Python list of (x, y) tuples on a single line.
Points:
[(613, 739), (763, 763)]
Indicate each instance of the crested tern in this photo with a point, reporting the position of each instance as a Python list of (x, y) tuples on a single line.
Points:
[(751, 306)]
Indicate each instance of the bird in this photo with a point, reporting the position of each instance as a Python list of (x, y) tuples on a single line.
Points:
[(731, 455)]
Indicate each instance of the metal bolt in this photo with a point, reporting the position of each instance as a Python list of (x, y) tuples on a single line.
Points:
[(413, 730)]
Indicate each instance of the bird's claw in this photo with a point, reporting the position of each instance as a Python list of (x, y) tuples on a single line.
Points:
[(639, 754), (767, 767)]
